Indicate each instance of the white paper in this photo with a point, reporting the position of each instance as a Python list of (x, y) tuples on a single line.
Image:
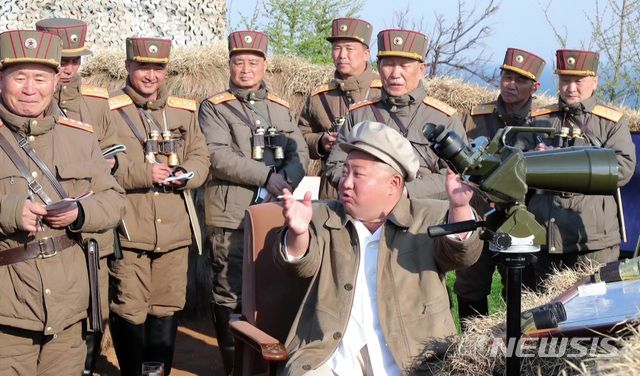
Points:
[(66, 204), (186, 176), (592, 289), (113, 151)]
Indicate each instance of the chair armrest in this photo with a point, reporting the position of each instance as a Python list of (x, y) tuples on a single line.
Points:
[(269, 347)]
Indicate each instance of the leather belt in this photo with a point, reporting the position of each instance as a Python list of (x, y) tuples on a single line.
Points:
[(42, 248), (556, 193), (155, 188)]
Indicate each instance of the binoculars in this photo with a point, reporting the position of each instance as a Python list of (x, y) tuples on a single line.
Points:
[(271, 139), (164, 145), (567, 137), (543, 317)]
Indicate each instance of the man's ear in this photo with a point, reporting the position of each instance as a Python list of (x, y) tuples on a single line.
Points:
[(396, 183)]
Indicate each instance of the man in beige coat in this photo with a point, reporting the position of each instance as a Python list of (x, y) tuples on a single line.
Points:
[(256, 151), (378, 300), (43, 271), (149, 284), (327, 107), (88, 104)]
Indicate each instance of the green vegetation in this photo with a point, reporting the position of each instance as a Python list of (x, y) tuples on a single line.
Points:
[(495, 299)]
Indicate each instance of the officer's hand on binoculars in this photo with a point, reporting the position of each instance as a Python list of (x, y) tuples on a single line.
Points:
[(459, 194), (277, 184), (159, 172)]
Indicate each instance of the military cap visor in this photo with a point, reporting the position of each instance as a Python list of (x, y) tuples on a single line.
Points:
[(72, 32), (30, 46)]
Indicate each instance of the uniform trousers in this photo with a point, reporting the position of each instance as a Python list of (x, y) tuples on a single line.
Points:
[(148, 283), (227, 267), (28, 353)]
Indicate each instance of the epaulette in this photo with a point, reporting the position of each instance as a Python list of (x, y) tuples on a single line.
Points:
[(94, 91), (75, 124), (483, 109), (119, 101), (182, 103), (222, 97), (607, 113), (278, 100), (545, 110), (439, 105), (323, 88), (366, 102), (376, 83)]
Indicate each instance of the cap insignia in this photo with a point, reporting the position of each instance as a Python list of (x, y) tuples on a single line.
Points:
[(248, 39), (153, 49), (73, 38), (30, 43), (519, 59), (343, 28), (571, 61), (397, 41)]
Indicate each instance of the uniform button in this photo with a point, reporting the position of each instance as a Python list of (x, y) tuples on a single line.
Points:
[(337, 335), (32, 138), (252, 95), (258, 122), (49, 329), (34, 174), (348, 287), (64, 87), (348, 92), (150, 103), (252, 102), (394, 108), (155, 193), (392, 101), (65, 111), (552, 220), (47, 292), (64, 102), (306, 367), (34, 123), (566, 109), (158, 249), (159, 220), (553, 249)]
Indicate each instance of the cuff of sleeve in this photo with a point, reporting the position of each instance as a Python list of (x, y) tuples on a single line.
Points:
[(458, 236), (79, 222), (289, 257)]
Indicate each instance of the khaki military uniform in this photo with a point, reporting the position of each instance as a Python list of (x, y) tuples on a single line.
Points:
[(237, 177), (45, 299), (414, 110), (157, 219), (90, 104), (326, 110), (581, 226)]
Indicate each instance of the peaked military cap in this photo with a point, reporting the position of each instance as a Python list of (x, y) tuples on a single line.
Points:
[(524, 63), (402, 43), (72, 32), (248, 41), (578, 63), (351, 28), (148, 50), (30, 46)]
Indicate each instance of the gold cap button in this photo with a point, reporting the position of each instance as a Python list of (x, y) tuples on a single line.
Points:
[(34, 174), (32, 138), (47, 292)]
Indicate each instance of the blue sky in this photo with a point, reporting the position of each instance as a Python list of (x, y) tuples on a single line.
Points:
[(518, 23)]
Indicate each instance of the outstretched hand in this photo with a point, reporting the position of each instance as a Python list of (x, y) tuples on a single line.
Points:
[(459, 194), (297, 214)]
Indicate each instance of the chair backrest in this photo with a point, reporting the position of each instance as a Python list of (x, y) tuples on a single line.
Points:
[(270, 296)]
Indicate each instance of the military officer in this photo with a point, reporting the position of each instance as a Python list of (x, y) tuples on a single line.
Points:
[(163, 140), (256, 151), (45, 157), (519, 80), (90, 104), (404, 106), (579, 227), (328, 105)]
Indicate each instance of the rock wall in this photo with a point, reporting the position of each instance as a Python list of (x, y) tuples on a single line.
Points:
[(189, 23)]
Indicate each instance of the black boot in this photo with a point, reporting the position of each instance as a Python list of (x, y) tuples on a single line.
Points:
[(467, 309), (93, 341), (221, 316), (160, 334), (128, 341)]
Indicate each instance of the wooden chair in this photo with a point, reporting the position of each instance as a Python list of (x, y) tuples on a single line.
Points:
[(270, 296)]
